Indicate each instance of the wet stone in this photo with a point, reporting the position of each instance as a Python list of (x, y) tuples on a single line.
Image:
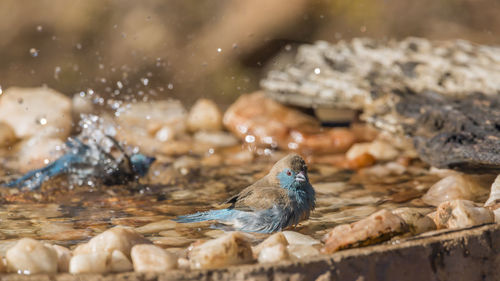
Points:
[(378, 227), (231, 249), (462, 213), (29, 256), (7, 134), (458, 186), (204, 116), (150, 258)]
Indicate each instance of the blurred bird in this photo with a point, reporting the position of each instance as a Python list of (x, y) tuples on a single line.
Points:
[(282, 198), (89, 161)]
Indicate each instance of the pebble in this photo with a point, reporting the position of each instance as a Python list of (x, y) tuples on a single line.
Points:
[(274, 253), (204, 116), (29, 256), (457, 186), (94, 262), (295, 238), (150, 258), (156, 226), (258, 120), (231, 249), (271, 241), (117, 238), (380, 226), (118, 262), (299, 251), (7, 135), (381, 150), (462, 213), (36, 111), (63, 257), (415, 219)]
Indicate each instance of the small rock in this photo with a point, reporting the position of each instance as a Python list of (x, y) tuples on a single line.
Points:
[(231, 249), (150, 258), (416, 220), (273, 240), (462, 213), (7, 135), (117, 238), (256, 119), (36, 111), (204, 116), (274, 253), (95, 262), (29, 256), (381, 150), (378, 227), (118, 262), (295, 238), (156, 226), (457, 186), (63, 257), (216, 139), (301, 251)]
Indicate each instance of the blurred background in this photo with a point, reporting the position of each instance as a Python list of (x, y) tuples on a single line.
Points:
[(199, 48)]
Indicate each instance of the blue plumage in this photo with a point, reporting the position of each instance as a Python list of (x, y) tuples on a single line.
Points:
[(282, 198), (84, 162)]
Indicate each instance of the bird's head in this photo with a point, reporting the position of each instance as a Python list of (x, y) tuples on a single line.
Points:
[(291, 172), (141, 163)]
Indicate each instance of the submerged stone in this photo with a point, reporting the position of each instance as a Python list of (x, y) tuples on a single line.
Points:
[(457, 186)]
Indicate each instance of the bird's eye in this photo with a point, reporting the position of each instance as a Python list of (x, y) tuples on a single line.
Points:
[(289, 173)]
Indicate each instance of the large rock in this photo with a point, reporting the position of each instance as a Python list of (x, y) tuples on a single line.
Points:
[(36, 111), (29, 256), (259, 120)]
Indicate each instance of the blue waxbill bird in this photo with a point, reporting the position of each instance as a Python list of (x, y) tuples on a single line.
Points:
[(282, 198), (89, 161)]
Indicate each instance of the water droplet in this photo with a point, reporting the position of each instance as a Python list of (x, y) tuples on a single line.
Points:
[(34, 52), (250, 138), (57, 70), (101, 66), (1, 91), (42, 121), (170, 86), (145, 81), (235, 46), (219, 50), (317, 70), (39, 28), (119, 84), (46, 161), (79, 46), (288, 47)]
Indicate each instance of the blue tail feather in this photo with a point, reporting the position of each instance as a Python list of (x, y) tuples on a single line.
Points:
[(35, 178), (220, 215)]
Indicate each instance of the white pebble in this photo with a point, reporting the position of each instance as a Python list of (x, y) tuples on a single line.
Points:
[(299, 239), (274, 253), (151, 258), (89, 263), (29, 256)]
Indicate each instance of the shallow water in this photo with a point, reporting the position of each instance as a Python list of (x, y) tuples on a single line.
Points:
[(68, 216)]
